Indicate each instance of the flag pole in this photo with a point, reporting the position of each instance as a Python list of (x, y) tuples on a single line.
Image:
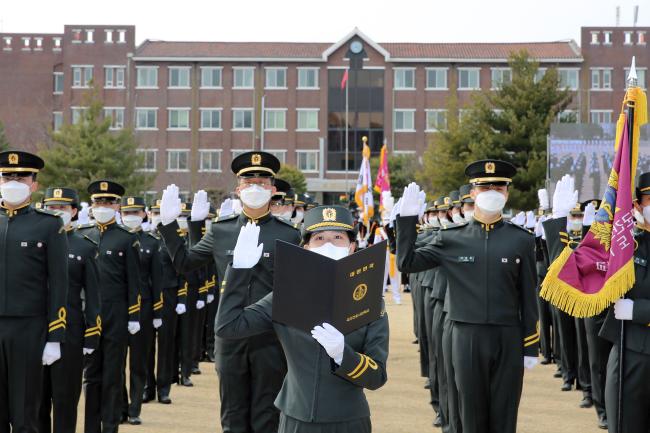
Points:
[(347, 163), (631, 82)]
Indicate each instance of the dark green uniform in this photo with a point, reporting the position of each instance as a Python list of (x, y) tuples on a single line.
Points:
[(62, 380)]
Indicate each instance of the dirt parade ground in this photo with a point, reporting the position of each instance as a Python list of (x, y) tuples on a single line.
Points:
[(400, 406)]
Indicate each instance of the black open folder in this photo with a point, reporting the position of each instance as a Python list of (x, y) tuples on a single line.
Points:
[(309, 288)]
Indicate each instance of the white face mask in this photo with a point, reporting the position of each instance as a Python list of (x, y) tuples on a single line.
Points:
[(433, 221), (332, 251), (103, 214), (182, 222), (457, 218), (14, 192), (646, 213), (132, 221), (469, 214), (66, 217), (255, 197), (284, 215), (574, 225), (298, 218), (639, 217), (443, 220), (491, 202), (155, 220)]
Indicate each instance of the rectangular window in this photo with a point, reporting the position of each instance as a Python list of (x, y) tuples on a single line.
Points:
[(243, 78), (608, 38), (148, 159), (601, 116), (307, 160), (436, 120), (567, 116), (501, 76), (211, 118), (209, 160), (146, 118), (242, 118), (211, 77), (177, 160), (82, 76), (307, 119), (404, 120), (280, 154), (405, 79), (601, 79), (595, 79), (539, 75), (276, 78), (117, 116), (147, 77), (77, 114), (58, 83), (568, 78), (308, 78), (275, 120), (641, 76), (437, 78), (179, 77), (113, 77), (179, 118), (468, 79), (57, 120)]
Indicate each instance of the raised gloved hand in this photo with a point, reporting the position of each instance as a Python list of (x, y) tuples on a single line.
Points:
[(422, 199), (530, 220), (520, 219), (411, 205), (200, 304), (200, 206), (83, 217), (88, 351), (210, 298), (623, 309), (542, 196), (565, 197), (539, 228), (157, 323), (530, 362), (170, 205), (331, 339), (247, 252), (394, 212), (134, 327), (589, 215), (180, 309), (226, 208), (51, 353)]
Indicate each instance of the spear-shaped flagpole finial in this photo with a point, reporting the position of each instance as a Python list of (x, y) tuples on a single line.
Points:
[(631, 77)]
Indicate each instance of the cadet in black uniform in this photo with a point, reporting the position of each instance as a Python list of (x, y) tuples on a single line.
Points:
[(119, 289), (151, 303), (323, 388), (62, 380), (251, 370), (33, 291), (490, 266)]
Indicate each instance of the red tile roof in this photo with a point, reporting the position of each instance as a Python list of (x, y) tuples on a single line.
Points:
[(538, 50)]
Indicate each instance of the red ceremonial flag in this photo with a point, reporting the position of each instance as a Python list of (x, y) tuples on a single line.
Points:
[(382, 183), (585, 281), (344, 81)]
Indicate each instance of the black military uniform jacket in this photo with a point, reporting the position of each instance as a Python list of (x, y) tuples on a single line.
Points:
[(315, 389), (150, 270), (490, 269), (84, 305), (192, 281), (33, 254)]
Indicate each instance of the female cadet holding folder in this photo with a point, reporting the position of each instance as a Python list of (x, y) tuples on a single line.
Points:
[(327, 372)]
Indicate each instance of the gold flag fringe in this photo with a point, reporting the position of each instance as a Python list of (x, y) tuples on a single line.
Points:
[(577, 304)]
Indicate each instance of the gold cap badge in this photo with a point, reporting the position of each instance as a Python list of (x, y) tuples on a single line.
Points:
[(58, 193), (103, 186), (490, 167), (329, 214), (13, 158), (256, 159), (130, 201)]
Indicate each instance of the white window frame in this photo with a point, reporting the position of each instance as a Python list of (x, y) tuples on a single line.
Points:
[(305, 69), (234, 110), (112, 109), (268, 69), (137, 77), (155, 160), (178, 170), (275, 110), (281, 154), (567, 112), (234, 153), (207, 151), (641, 37), (212, 68), (115, 69), (501, 70), (170, 69), (541, 72), (600, 112), (83, 83), (426, 78), (235, 69), (55, 75), (595, 40), (628, 38), (403, 70), (577, 71), (155, 128), (601, 80), (607, 37), (169, 118), (74, 109), (310, 110), (435, 110), (644, 86), (478, 81), (403, 110), (54, 116), (308, 152), (218, 109)]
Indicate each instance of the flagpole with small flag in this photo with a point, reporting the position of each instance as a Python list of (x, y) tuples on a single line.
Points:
[(344, 84)]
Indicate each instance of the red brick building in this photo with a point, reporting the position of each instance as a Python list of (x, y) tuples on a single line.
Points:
[(196, 105)]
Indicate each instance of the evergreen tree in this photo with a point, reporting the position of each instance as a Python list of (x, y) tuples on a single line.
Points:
[(294, 176)]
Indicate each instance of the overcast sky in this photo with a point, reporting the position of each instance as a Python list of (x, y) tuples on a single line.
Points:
[(328, 20)]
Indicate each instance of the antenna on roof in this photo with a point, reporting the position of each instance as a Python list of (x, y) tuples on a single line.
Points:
[(618, 16), (636, 14)]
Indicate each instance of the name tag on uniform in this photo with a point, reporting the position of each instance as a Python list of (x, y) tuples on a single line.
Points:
[(23, 244), (71, 256), (465, 259), (108, 253), (641, 262), (267, 255)]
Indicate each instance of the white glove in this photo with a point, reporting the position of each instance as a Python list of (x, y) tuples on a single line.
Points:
[(51, 353), (247, 252), (530, 362), (530, 220), (200, 206), (388, 202), (331, 339), (422, 199), (157, 323), (88, 351), (180, 309), (210, 298), (565, 197), (542, 195), (623, 309), (589, 215), (200, 304), (134, 327), (539, 228), (170, 205), (394, 212), (226, 208), (410, 201), (520, 219), (83, 216)]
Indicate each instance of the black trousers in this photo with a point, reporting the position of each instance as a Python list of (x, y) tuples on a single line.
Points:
[(453, 411), (22, 340), (423, 341), (489, 371), (167, 368), (584, 372), (415, 288), (208, 336), (249, 381), (197, 335), (186, 337), (555, 335), (568, 345), (427, 342), (62, 384), (437, 324), (139, 351), (292, 425), (636, 391), (150, 384), (599, 349)]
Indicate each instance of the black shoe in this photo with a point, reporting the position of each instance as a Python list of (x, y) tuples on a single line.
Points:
[(586, 402), (567, 386), (602, 423), (415, 341), (196, 370), (164, 399), (147, 397), (123, 418), (437, 422), (211, 358), (557, 374), (427, 384), (134, 420), (185, 381), (546, 361)]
